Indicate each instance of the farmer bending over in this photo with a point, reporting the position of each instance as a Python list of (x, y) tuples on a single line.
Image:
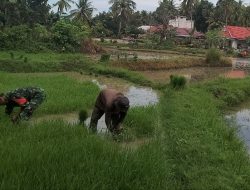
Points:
[(115, 106), (28, 99)]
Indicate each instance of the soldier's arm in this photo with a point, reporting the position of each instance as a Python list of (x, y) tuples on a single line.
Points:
[(23, 103)]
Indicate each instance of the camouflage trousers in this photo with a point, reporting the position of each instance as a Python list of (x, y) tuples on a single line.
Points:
[(37, 99)]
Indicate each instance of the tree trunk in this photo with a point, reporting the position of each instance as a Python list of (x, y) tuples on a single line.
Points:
[(119, 29)]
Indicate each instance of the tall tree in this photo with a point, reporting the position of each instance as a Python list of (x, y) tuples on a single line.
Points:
[(63, 5), (224, 11), (188, 7), (164, 13), (246, 15), (7, 10), (122, 9), (37, 11), (83, 12), (202, 14)]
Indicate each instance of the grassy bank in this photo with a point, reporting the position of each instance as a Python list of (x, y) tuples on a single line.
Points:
[(203, 152), (54, 62), (171, 63)]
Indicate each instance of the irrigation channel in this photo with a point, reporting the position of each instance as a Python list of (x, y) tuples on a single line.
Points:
[(138, 97), (239, 118), (142, 96)]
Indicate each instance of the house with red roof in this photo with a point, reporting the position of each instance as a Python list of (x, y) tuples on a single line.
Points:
[(180, 32), (236, 36)]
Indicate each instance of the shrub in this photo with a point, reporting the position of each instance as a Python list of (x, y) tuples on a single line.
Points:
[(225, 61), (105, 58), (102, 40), (177, 82), (213, 56), (83, 115), (68, 36)]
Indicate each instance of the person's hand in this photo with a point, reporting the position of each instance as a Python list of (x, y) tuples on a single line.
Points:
[(15, 119)]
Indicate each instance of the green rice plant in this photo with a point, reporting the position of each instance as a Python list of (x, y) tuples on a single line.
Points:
[(12, 56), (64, 94), (25, 60), (54, 155), (213, 56), (142, 121), (177, 82), (105, 58), (83, 115), (200, 147)]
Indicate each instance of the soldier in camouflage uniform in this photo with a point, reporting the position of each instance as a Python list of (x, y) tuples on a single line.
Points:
[(28, 99)]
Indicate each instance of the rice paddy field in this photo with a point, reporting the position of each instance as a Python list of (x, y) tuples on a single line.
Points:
[(183, 142)]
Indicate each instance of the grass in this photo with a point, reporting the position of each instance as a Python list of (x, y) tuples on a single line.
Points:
[(191, 148), (141, 122), (55, 156), (63, 94), (204, 152), (229, 92), (45, 62), (171, 63), (190, 145)]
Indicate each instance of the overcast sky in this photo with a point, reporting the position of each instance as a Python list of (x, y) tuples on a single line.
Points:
[(148, 5)]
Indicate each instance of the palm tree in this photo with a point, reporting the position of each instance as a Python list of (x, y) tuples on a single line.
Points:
[(83, 12), (188, 7), (63, 4), (4, 10), (164, 13), (122, 9)]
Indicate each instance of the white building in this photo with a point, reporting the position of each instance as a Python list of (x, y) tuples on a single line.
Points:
[(181, 22)]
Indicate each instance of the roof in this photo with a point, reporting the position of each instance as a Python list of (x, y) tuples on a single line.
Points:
[(236, 32), (180, 32), (185, 32)]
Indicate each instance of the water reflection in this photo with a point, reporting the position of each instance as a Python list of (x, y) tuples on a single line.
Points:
[(241, 119), (138, 96)]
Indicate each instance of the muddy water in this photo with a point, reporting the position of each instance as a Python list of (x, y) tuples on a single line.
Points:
[(240, 118), (138, 96), (192, 74), (200, 73)]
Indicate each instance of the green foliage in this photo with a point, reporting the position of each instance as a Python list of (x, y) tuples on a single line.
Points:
[(213, 56), (230, 92), (67, 36), (142, 121), (214, 38), (63, 36), (83, 115), (204, 152), (177, 82), (105, 58), (64, 95)]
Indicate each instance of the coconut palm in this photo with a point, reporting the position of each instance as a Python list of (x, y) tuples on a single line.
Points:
[(164, 13), (83, 12), (122, 9), (63, 5), (188, 7)]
